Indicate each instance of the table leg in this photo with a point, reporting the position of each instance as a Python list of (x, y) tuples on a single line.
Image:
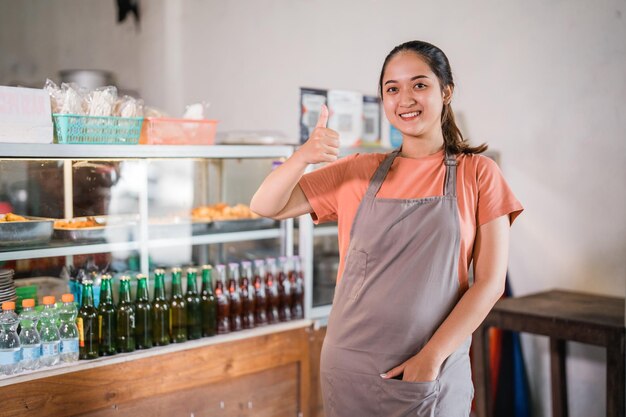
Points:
[(615, 374), (558, 377), (482, 373)]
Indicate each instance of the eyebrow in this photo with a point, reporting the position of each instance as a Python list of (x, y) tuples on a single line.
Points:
[(412, 79)]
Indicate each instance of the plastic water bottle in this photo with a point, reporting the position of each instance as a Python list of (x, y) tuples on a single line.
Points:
[(50, 340), (29, 336), (68, 330), (10, 351)]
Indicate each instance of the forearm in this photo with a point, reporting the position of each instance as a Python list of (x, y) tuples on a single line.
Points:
[(464, 319), (273, 194)]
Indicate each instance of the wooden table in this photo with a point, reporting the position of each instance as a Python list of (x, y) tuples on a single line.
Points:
[(562, 316)]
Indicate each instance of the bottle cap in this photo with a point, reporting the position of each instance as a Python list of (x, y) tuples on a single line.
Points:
[(48, 300), (29, 302), (159, 271), (207, 267), (125, 278), (8, 305), (105, 276), (175, 270), (192, 270), (140, 276), (68, 298)]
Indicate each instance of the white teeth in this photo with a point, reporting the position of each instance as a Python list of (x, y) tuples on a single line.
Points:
[(407, 115)]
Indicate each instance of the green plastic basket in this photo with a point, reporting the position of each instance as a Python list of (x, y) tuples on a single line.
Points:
[(110, 130)]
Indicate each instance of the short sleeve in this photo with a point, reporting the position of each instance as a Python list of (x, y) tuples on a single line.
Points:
[(495, 197), (321, 188)]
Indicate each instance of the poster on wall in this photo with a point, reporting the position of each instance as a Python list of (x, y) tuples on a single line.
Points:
[(346, 116), (371, 120), (311, 100)]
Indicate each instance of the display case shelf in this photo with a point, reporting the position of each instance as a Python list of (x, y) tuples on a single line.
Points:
[(216, 238), (55, 151), (66, 249)]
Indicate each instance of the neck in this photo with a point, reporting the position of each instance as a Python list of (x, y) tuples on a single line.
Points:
[(417, 147)]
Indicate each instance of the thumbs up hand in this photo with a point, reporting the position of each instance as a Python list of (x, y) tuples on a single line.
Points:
[(323, 144)]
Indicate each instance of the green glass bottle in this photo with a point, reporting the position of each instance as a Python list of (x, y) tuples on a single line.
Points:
[(208, 303), (125, 318), (143, 319), (107, 327), (178, 310), (160, 311), (194, 309), (87, 323)]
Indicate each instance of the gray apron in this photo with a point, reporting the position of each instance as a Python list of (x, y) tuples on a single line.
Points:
[(399, 284)]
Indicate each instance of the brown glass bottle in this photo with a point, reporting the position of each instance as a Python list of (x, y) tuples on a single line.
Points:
[(297, 288), (234, 295), (160, 311), (271, 289), (223, 301), (260, 295), (208, 303), (178, 310), (284, 289), (247, 295)]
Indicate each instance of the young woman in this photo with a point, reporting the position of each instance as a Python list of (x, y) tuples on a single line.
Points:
[(410, 222)]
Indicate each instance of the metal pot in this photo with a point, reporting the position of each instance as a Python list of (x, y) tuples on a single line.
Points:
[(88, 78)]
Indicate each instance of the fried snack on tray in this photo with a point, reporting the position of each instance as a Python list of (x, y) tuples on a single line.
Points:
[(10, 217), (77, 223), (221, 211)]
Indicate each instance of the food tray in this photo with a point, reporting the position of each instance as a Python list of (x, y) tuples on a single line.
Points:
[(110, 226), (167, 131), (227, 226), (36, 231), (108, 130)]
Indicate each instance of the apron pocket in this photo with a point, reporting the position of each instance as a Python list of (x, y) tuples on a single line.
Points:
[(409, 398), (351, 394), (354, 275)]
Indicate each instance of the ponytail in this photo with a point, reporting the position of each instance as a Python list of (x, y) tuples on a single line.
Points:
[(453, 139)]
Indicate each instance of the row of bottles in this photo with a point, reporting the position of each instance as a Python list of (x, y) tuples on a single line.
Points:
[(44, 338), (243, 297)]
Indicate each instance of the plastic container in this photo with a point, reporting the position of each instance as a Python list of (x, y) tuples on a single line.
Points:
[(167, 131), (107, 130), (68, 331), (10, 350), (29, 336), (49, 333)]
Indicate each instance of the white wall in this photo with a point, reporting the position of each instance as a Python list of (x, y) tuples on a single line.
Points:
[(542, 82)]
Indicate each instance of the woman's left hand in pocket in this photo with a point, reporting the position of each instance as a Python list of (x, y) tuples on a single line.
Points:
[(418, 368)]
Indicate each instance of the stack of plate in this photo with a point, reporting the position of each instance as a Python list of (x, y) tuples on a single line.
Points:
[(7, 287)]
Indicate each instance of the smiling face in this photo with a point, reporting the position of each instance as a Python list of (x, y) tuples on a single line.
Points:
[(413, 97)]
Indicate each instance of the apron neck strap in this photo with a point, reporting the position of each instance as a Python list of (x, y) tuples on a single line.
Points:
[(379, 176), (450, 181), (383, 169)]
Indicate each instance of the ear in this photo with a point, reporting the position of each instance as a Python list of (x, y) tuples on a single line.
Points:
[(447, 94)]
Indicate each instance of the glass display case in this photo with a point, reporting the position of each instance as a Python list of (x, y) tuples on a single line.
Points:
[(134, 208)]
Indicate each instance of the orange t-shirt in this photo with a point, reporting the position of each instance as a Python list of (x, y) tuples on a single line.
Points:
[(335, 192)]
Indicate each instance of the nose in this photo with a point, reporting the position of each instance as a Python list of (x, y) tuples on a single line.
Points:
[(406, 99)]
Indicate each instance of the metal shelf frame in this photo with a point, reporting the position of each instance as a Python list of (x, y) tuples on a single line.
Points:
[(144, 153)]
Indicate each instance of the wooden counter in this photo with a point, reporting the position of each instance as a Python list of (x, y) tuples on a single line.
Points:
[(259, 372)]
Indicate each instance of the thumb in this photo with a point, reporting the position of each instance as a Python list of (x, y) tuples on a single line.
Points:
[(393, 372), (323, 120)]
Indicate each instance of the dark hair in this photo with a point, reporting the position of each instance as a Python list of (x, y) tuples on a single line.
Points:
[(438, 62)]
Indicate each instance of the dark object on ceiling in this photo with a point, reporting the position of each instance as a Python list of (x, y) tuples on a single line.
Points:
[(127, 6)]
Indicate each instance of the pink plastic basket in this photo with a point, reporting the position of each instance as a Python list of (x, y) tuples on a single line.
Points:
[(165, 131)]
